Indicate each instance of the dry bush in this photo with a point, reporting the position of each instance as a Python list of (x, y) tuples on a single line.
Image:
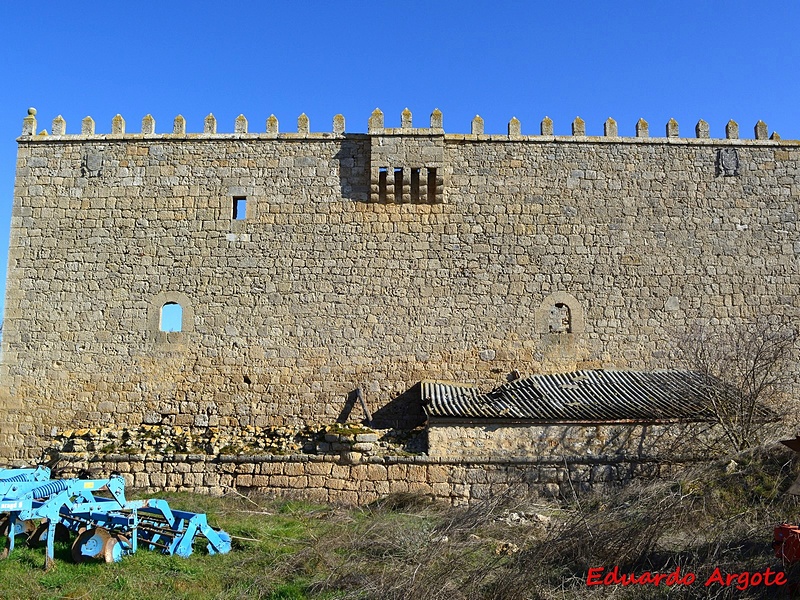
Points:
[(719, 514), (754, 363)]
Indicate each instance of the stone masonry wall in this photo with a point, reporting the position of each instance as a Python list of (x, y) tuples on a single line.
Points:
[(601, 442), (335, 280), (326, 479)]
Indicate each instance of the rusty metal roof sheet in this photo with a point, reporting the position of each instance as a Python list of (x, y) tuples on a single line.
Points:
[(582, 396)]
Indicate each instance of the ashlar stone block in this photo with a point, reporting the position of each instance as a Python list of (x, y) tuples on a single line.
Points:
[(578, 127), (59, 126), (240, 125), (210, 124), (672, 129), (375, 123), (610, 128), (272, 125), (436, 119), (29, 123), (405, 119), (303, 124), (148, 125), (642, 129), (338, 124), (87, 126)]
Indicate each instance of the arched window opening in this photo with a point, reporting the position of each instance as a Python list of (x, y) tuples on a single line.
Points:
[(171, 317)]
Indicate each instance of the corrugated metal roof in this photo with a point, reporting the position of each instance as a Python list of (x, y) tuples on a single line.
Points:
[(582, 396)]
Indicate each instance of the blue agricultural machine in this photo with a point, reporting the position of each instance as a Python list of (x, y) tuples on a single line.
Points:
[(106, 526)]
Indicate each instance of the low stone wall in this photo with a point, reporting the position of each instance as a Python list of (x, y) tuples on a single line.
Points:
[(335, 480), (534, 442)]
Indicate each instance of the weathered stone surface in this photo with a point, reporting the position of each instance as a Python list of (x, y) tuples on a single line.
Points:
[(642, 128), (610, 128), (672, 128), (319, 291), (59, 126), (578, 127), (476, 127)]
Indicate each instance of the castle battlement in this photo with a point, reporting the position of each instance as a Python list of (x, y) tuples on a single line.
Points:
[(297, 268), (375, 127)]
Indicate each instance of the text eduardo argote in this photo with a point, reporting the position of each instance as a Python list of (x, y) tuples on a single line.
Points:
[(741, 581)]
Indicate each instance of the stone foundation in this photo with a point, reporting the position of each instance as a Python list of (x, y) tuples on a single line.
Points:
[(334, 480)]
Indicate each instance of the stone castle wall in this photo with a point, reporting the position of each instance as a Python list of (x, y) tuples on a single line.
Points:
[(368, 260)]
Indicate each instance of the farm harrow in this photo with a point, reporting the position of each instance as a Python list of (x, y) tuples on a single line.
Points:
[(94, 512)]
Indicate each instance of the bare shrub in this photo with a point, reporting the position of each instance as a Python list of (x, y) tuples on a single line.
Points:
[(753, 363)]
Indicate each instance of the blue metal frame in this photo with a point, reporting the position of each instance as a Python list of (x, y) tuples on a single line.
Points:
[(30, 494)]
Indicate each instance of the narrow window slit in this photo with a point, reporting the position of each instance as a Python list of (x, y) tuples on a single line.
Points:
[(382, 176), (432, 186), (398, 185)]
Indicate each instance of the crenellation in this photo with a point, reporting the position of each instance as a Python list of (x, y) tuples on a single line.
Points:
[(272, 126), (338, 124), (210, 124), (59, 126), (476, 127), (610, 128), (87, 126), (405, 119), (672, 130), (303, 124), (701, 129), (642, 129), (240, 125), (732, 130), (436, 119), (578, 127), (117, 125), (148, 125), (376, 126), (29, 123)]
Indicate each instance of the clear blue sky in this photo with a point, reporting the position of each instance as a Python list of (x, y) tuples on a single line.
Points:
[(683, 59)]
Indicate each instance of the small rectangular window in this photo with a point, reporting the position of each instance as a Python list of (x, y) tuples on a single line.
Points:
[(239, 208)]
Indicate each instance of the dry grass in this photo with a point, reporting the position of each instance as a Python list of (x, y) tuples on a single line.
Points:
[(718, 515)]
